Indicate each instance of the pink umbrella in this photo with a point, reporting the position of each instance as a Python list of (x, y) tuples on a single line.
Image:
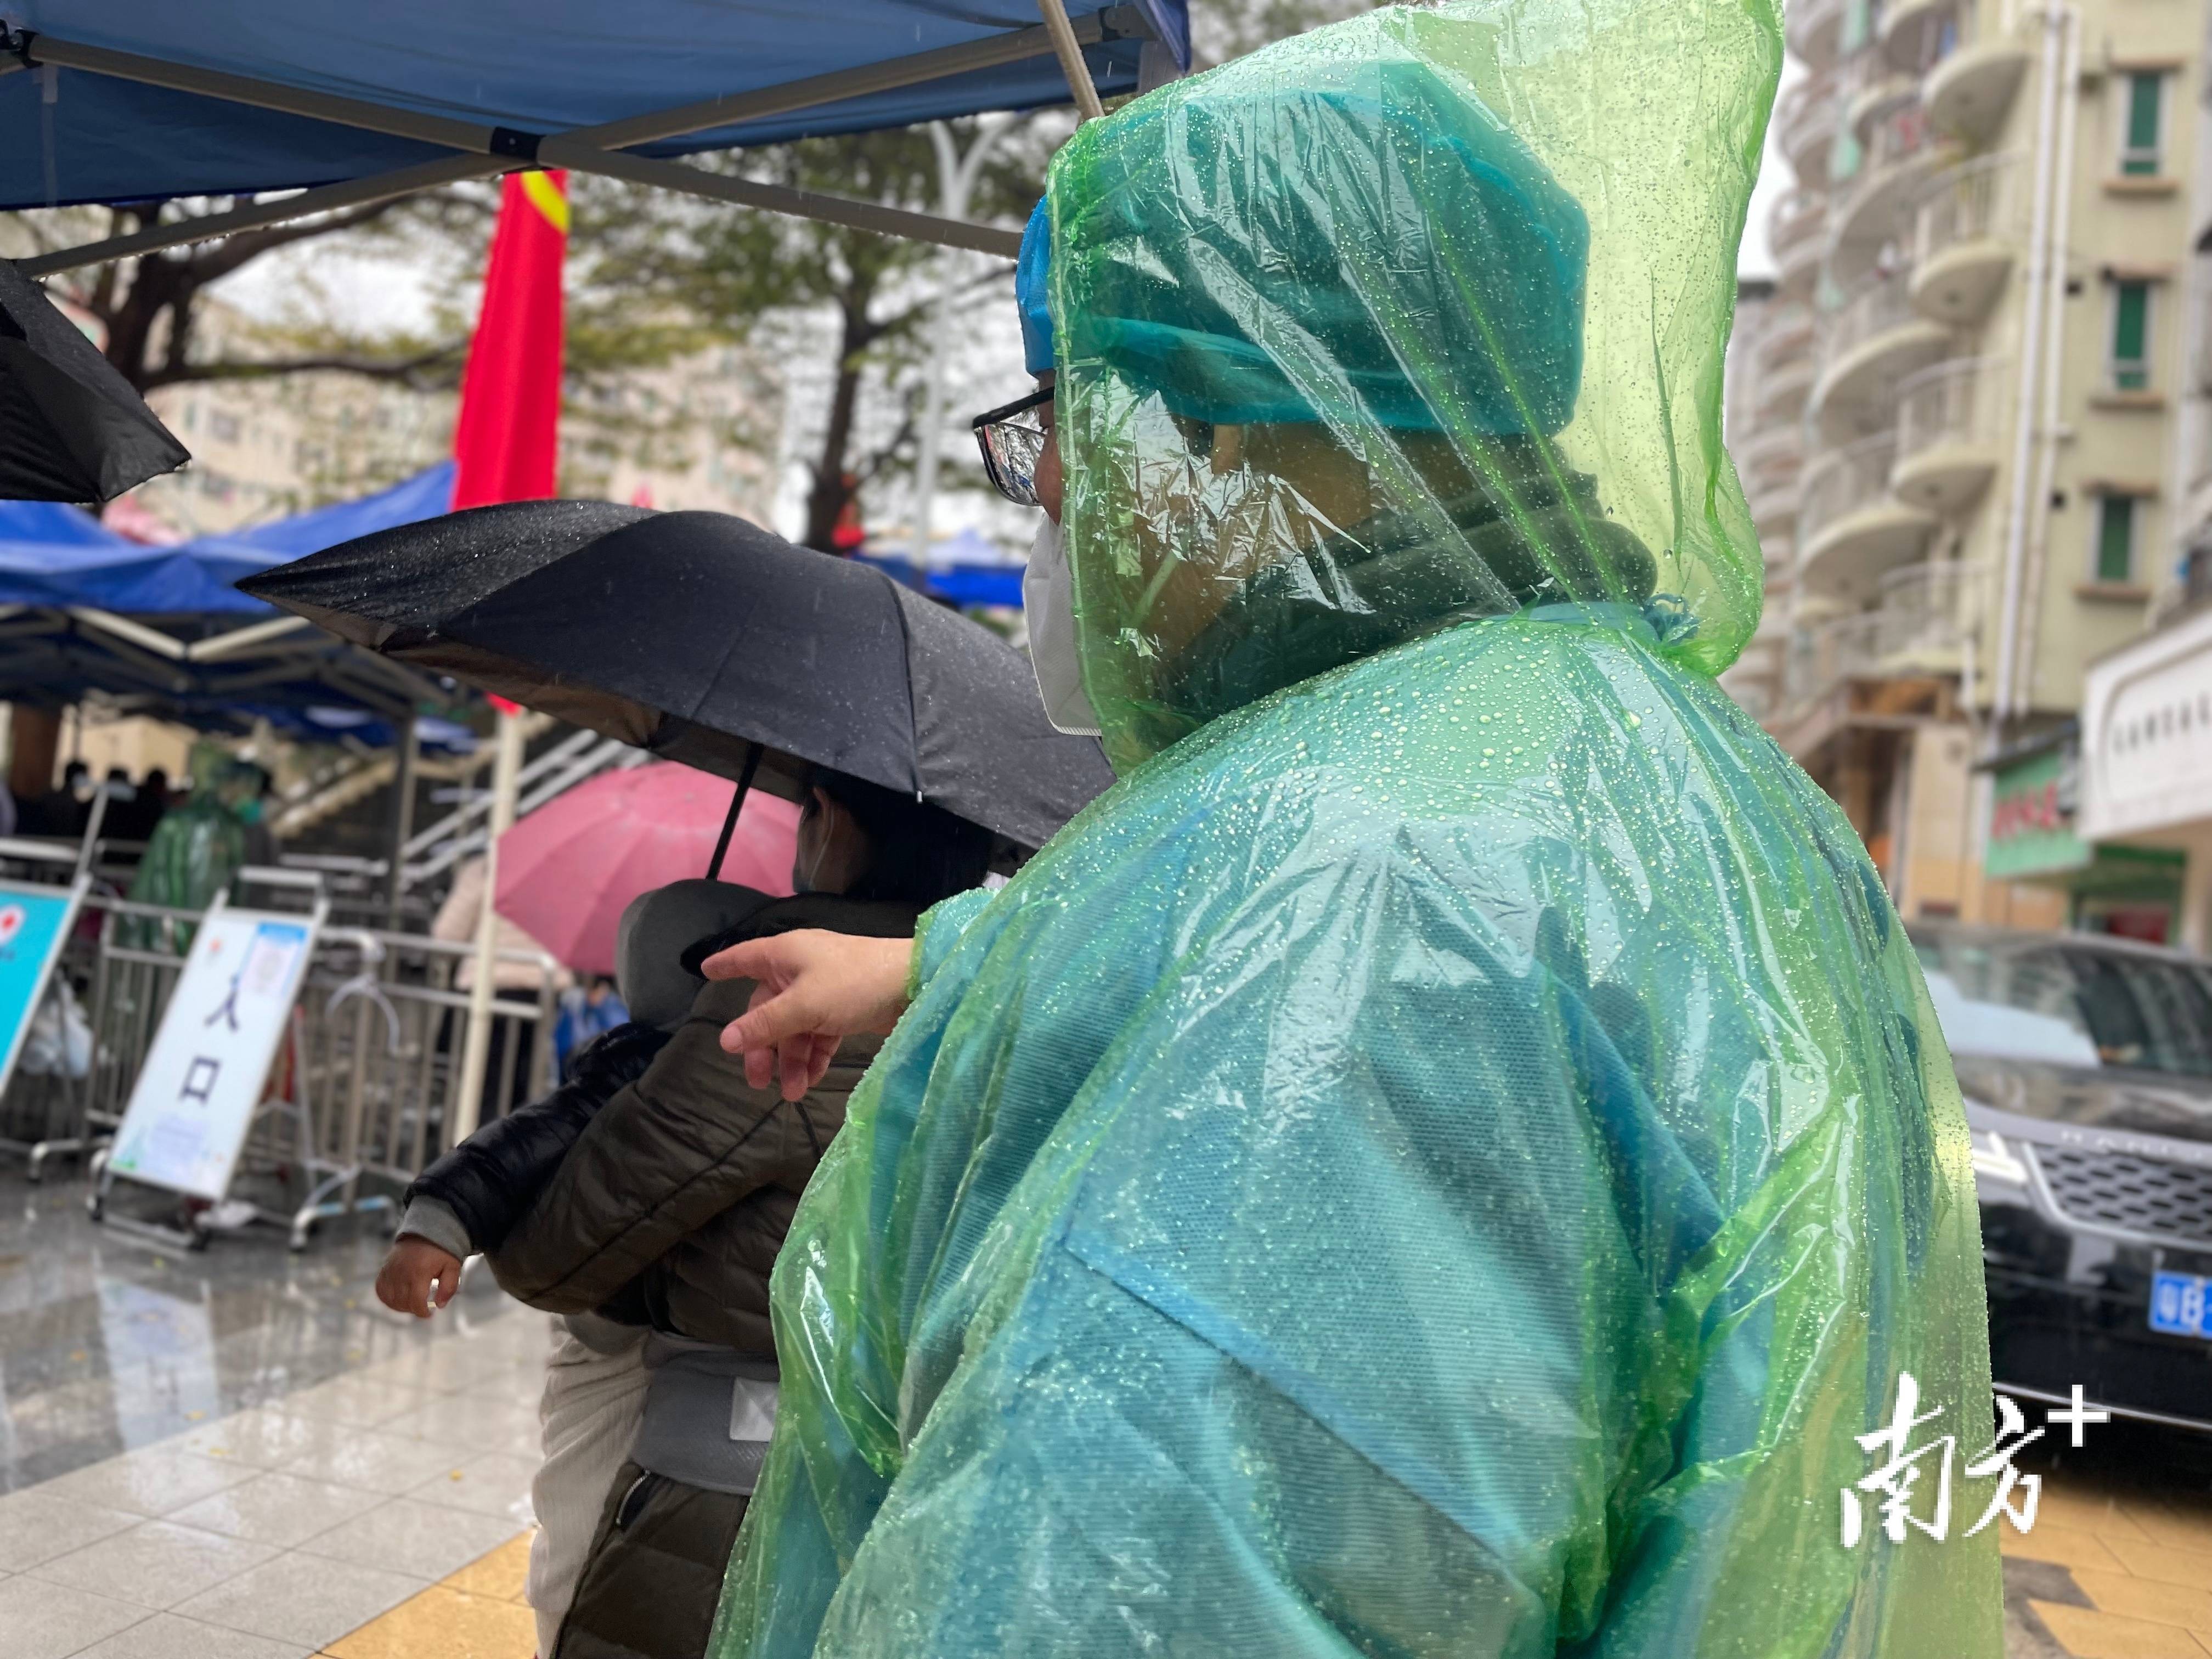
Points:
[(567, 871)]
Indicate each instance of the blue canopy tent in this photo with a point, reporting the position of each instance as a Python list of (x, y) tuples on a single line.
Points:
[(960, 583), (966, 569), (64, 559), (53, 524), (136, 100), (425, 495), (161, 631)]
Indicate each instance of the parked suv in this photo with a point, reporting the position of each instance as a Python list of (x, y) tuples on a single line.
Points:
[(2086, 1067)]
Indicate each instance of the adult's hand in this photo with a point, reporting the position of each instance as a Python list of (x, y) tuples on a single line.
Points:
[(813, 989)]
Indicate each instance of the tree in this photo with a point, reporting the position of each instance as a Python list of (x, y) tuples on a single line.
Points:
[(149, 307), (733, 271)]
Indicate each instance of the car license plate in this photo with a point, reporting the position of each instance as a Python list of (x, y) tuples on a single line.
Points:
[(2181, 1304)]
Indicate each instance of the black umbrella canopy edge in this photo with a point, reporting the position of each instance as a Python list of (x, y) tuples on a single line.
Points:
[(78, 431), (815, 661)]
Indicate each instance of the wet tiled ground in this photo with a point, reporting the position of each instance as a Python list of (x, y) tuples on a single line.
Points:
[(235, 1454), (108, 1344), (2118, 1564)]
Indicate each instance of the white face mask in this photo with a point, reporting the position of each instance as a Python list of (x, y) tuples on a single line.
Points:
[(1048, 597)]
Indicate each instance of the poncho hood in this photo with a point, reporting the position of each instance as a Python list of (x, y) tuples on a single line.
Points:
[(1387, 302)]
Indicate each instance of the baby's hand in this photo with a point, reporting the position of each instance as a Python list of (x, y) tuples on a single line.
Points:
[(417, 1277)]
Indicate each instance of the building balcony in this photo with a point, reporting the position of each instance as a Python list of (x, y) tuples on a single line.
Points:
[(1823, 656), (1798, 234), (1775, 455), (1851, 532), (1769, 465), (1814, 32), (1915, 34), (1872, 343), (1919, 625), (1774, 516), (1806, 123), (1949, 434), (1967, 94), (1926, 615), (1966, 234), (1780, 396), (1895, 162), (1786, 336)]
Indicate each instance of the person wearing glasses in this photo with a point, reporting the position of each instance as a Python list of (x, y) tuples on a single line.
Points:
[(1452, 1154)]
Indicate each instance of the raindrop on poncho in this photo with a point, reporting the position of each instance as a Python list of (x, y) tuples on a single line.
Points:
[(1446, 1156)]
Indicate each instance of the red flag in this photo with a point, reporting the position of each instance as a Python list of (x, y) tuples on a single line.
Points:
[(504, 442)]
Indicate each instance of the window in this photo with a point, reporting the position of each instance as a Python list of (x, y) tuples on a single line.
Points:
[(2116, 538), (2144, 90), (223, 428), (2130, 335)]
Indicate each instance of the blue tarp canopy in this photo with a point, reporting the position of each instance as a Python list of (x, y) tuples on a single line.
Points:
[(161, 631), (425, 495), (960, 584), (524, 69), (59, 558)]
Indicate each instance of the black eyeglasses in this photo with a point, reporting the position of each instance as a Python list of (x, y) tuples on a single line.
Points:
[(1011, 447)]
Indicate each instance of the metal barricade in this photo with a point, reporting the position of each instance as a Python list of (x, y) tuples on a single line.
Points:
[(383, 1025), (140, 952), (364, 1092)]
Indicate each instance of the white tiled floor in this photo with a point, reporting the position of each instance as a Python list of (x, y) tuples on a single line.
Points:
[(271, 1532)]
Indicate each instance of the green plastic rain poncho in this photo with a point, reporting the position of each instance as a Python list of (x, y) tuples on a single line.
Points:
[(1445, 1157)]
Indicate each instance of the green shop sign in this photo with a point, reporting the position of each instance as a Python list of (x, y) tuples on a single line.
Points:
[(2032, 818)]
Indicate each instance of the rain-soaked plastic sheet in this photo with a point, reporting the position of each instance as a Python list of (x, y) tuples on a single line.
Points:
[(1447, 1156)]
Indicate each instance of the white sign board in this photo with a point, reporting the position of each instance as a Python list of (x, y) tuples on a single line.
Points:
[(194, 1100)]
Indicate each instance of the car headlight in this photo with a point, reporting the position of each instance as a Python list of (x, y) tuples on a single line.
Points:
[(1995, 1161)]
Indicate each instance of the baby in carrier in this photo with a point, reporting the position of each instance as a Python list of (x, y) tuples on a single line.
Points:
[(645, 1201)]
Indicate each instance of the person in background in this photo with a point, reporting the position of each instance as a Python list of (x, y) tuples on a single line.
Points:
[(60, 812), (153, 803), (587, 1011), (263, 846), (645, 1201), (194, 851), (132, 811)]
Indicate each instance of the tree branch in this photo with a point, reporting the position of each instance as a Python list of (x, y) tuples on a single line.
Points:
[(374, 368), (220, 258)]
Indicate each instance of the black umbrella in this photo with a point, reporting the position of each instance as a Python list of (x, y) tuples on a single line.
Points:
[(71, 429), (711, 641)]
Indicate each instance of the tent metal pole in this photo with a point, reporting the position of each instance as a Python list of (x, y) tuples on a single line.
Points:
[(230, 643), (800, 204), (1079, 85), (403, 821), (467, 1105), (586, 149), (326, 198), (146, 639)]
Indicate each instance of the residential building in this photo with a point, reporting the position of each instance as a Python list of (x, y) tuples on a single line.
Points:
[(1767, 457), (2145, 739), (1965, 405)]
